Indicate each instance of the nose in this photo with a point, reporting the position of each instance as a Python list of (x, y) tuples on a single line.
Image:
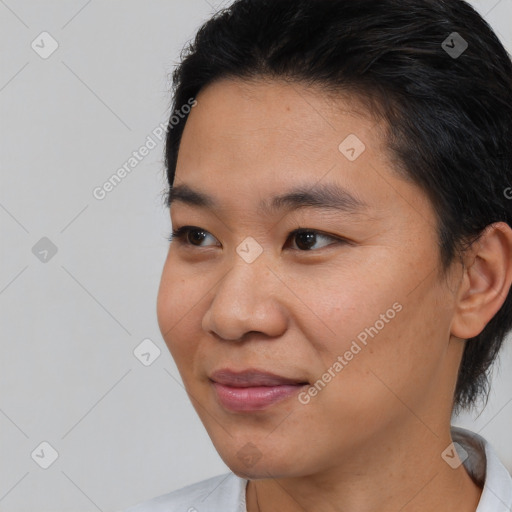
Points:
[(247, 299)]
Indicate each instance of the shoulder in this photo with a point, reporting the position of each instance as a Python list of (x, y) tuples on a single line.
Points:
[(224, 492)]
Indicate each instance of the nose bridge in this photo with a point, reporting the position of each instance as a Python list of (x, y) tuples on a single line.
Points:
[(244, 301)]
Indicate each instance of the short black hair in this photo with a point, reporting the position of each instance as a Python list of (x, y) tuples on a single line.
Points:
[(447, 107)]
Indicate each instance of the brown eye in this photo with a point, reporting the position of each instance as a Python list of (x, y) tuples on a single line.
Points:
[(190, 235), (196, 236), (307, 238)]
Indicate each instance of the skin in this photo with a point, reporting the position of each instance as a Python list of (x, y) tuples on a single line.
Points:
[(372, 438)]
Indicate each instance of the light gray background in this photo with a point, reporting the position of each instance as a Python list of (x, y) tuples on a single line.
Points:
[(124, 432)]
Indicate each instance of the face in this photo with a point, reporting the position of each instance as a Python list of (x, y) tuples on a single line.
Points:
[(300, 349)]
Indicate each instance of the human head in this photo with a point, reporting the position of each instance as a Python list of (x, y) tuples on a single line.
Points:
[(449, 120)]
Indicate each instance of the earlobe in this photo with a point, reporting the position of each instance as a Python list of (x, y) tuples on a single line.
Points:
[(486, 281)]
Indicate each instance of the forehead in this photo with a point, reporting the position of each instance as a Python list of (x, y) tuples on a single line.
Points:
[(289, 118), (251, 143)]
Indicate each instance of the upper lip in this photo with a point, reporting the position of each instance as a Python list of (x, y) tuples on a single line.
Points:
[(251, 377)]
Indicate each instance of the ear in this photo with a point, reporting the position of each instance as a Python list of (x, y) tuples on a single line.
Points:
[(486, 281)]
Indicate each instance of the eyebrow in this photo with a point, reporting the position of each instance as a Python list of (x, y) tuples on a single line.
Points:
[(324, 196)]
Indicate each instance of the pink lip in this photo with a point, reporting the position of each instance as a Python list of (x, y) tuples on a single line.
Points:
[(252, 390)]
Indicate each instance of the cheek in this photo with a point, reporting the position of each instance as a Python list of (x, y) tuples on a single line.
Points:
[(177, 308), (391, 335), (393, 362), (350, 301)]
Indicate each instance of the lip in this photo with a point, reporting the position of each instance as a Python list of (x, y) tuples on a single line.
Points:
[(252, 390)]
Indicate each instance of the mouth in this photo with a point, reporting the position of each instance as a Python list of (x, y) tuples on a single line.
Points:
[(253, 390)]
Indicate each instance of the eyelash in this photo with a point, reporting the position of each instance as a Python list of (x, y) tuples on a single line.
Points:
[(180, 234)]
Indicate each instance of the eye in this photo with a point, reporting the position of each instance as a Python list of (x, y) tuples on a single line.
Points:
[(190, 235), (305, 239)]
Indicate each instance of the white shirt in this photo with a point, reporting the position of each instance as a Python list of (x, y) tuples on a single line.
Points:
[(226, 493)]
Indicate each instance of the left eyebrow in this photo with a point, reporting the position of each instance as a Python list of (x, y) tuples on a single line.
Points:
[(324, 196)]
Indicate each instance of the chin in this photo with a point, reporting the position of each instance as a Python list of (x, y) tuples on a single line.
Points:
[(252, 461), (260, 471)]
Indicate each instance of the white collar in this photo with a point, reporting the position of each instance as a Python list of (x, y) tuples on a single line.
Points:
[(486, 469)]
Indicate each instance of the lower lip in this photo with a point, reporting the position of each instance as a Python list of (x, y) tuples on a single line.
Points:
[(254, 398)]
